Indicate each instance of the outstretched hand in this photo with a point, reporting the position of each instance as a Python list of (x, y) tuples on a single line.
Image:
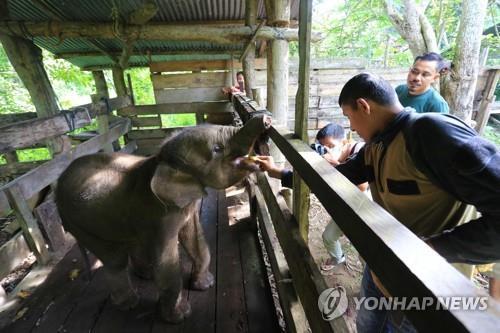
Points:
[(266, 163)]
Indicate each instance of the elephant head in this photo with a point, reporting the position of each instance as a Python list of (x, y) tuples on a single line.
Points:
[(205, 156)]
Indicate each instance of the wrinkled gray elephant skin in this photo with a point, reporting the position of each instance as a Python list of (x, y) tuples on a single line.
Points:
[(131, 211)]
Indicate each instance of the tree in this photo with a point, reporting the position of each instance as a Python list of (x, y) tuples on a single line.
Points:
[(459, 86)]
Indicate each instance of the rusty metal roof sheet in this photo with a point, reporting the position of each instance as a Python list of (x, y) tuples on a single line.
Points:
[(169, 11)]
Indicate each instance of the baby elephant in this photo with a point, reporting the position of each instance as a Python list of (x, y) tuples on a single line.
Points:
[(126, 208)]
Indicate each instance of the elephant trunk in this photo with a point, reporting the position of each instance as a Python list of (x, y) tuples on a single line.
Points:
[(244, 139)]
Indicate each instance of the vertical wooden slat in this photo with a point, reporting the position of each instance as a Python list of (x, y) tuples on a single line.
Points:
[(101, 92), (28, 223), (248, 61), (119, 81)]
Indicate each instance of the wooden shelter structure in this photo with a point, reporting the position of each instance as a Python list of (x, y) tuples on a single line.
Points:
[(201, 39)]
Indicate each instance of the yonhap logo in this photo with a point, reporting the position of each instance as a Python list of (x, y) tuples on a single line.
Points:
[(332, 303)]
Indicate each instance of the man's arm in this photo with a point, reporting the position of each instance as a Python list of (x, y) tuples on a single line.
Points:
[(455, 158)]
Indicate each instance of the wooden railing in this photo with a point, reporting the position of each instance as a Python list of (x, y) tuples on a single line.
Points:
[(406, 265), (14, 195)]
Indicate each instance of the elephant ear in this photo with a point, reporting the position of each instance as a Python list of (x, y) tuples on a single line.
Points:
[(175, 187)]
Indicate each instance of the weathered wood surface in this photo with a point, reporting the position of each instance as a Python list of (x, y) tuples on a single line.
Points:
[(9, 118), (307, 278), (200, 65), (146, 31), (28, 223), (35, 180), (12, 253), (65, 305), (189, 95), (29, 132), (176, 108), (154, 121), (369, 227), (293, 312), (48, 217), (19, 167)]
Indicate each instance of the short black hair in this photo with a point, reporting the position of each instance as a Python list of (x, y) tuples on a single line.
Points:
[(240, 72), (368, 86), (433, 56), (334, 130)]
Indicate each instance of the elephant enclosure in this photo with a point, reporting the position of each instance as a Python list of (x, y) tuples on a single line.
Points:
[(240, 301)]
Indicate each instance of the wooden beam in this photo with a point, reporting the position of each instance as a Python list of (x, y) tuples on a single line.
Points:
[(200, 65), (293, 311), (488, 98), (146, 32), (18, 168), (390, 249), (249, 59), (306, 276), (27, 133), (119, 81), (101, 92), (37, 179), (9, 118), (251, 42), (78, 54), (301, 192), (176, 108), (28, 223)]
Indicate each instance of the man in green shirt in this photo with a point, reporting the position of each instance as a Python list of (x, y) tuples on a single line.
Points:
[(418, 93)]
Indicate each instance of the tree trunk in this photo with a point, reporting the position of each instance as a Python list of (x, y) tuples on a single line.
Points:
[(459, 87), (248, 61), (413, 26)]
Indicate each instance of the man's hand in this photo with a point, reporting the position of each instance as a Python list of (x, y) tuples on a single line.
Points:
[(266, 163)]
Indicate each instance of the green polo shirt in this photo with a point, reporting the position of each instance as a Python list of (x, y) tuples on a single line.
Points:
[(429, 101)]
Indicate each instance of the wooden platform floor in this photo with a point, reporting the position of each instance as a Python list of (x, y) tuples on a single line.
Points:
[(241, 300)]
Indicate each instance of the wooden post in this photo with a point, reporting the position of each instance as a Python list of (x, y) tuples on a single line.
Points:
[(119, 81), (26, 58), (301, 192), (483, 113), (28, 223), (248, 61), (101, 92), (277, 97)]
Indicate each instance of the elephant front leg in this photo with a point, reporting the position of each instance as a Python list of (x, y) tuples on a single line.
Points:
[(193, 241), (168, 277)]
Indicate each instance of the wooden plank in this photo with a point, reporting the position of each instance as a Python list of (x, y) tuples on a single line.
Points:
[(307, 279), (159, 133), (48, 217), (18, 168), (48, 293), (28, 223), (293, 313), (261, 312), (189, 95), (37, 179), (9, 118), (29, 132), (177, 108), (199, 65), (397, 260), (194, 80), (300, 190), (231, 310), (12, 253), (146, 121)]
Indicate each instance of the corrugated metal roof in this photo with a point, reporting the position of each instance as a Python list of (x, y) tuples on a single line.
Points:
[(169, 11)]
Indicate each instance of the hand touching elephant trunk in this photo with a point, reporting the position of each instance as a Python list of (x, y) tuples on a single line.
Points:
[(126, 208)]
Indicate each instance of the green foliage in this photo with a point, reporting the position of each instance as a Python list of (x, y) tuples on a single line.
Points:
[(142, 86), (36, 154), (178, 120), (14, 98)]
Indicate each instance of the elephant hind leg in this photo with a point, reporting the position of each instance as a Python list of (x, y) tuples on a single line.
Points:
[(141, 260), (192, 239)]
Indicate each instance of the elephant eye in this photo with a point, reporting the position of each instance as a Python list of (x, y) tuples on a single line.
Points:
[(218, 148)]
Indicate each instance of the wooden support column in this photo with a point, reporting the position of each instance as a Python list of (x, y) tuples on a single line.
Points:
[(101, 92), (277, 72), (301, 192), (119, 81), (248, 61)]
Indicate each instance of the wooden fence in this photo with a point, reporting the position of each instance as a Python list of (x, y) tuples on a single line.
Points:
[(14, 195), (405, 264)]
